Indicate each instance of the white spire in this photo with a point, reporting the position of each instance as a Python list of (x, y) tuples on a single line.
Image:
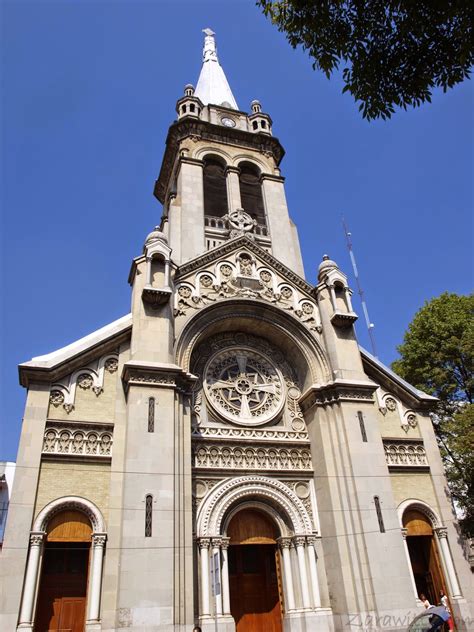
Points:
[(212, 86)]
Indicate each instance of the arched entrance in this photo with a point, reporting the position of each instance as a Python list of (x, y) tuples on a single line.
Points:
[(63, 578), (424, 555), (63, 585), (245, 517), (254, 573)]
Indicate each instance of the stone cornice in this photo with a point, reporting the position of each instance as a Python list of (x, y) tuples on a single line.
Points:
[(184, 128), (156, 374), (30, 374), (384, 376), (337, 391), (231, 246)]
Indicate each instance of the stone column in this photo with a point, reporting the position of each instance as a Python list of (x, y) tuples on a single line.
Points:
[(442, 534), (167, 273), (204, 544), (31, 578), (332, 292), (225, 577), (300, 544), (233, 188), (95, 585), (347, 294), (148, 272), (410, 570), (285, 544), (313, 571), (216, 550)]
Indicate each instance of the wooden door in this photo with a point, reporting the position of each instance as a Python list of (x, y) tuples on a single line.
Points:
[(62, 596), (254, 597)]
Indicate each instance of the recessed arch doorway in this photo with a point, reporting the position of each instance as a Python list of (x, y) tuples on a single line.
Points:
[(254, 572), (424, 555), (62, 591)]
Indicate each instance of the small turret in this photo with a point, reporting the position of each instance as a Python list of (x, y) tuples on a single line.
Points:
[(189, 105), (157, 288), (335, 281), (260, 123)]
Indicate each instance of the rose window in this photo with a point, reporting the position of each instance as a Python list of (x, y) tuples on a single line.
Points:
[(244, 386)]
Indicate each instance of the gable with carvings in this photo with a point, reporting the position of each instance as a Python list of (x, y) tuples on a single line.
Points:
[(241, 269), (88, 393)]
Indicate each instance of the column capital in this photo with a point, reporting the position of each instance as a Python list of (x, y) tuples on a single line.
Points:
[(204, 543), (232, 169), (299, 540), (37, 538), (99, 539), (272, 177), (284, 543), (191, 161), (225, 543), (404, 531), (312, 539), (441, 532), (216, 542)]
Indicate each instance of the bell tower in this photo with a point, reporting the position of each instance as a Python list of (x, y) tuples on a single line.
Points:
[(220, 176)]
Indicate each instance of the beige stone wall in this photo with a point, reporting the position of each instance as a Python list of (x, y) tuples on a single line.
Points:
[(62, 478), (390, 426), (88, 406), (414, 485)]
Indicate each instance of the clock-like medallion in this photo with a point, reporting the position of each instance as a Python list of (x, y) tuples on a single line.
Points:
[(244, 386), (228, 122)]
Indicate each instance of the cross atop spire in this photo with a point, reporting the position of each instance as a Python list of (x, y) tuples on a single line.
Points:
[(212, 86)]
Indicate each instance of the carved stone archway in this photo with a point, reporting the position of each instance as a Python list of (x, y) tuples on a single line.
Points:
[(37, 541)]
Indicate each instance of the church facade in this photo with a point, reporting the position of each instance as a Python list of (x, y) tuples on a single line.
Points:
[(226, 455)]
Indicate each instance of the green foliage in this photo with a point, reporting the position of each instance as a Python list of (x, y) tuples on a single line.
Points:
[(437, 357), (437, 352), (394, 53), (459, 463)]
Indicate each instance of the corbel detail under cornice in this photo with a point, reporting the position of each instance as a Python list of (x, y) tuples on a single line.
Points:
[(337, 391), (156, 374)]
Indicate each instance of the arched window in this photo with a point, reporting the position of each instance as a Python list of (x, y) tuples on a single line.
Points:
[(215, 188), (251, 192)]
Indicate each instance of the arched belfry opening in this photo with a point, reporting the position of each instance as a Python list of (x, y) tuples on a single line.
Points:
[(251, 192), (215, 187), (254, 571)]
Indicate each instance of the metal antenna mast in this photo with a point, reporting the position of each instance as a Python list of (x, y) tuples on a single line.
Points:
[(370, 326)]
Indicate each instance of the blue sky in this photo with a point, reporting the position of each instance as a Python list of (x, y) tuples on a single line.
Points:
[(89, 90)]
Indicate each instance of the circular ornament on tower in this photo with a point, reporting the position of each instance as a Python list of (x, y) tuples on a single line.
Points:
[(228, 122), (244, 386)]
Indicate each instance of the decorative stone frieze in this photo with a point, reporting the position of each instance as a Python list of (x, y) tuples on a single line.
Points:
[(405, 454), (337, 391), (78, 440), (250, 434), (210, 456), (157, 374), (91, 377)]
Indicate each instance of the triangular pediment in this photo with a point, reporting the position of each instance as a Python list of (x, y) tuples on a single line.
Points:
[(241, 268)]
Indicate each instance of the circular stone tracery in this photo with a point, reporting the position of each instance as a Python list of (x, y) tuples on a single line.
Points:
[(244, 386)]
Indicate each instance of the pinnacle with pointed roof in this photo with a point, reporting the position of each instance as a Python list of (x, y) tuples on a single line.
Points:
[(212, 86)]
